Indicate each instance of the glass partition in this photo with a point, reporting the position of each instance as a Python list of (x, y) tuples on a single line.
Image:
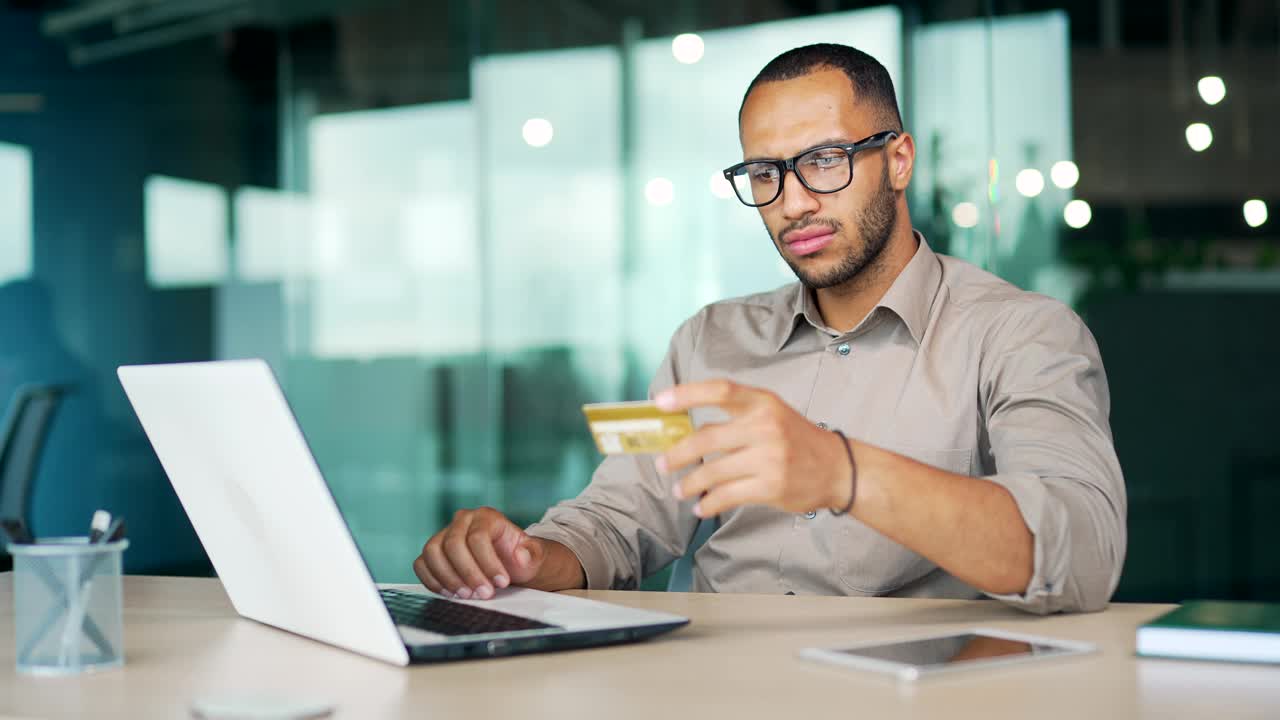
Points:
[(448, 227)]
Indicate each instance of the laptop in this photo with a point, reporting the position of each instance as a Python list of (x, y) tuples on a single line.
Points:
[(242, 469)]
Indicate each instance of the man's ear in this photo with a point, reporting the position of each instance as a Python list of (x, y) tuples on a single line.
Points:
[(902, 160)]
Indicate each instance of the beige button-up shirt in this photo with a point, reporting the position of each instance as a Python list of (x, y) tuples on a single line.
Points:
[(955, 368)]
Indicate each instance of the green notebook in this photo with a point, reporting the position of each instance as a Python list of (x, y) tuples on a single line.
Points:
[(1211, 630)]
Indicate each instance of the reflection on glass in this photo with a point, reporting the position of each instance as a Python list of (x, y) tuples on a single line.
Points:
[(984, 646), (186, 232), (393, 252), (956, 96), (553, 214), (15, 212), (273, 231), (553, 238), (951, 649)]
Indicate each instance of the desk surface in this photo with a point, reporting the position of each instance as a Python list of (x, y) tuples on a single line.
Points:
[(737, 660)]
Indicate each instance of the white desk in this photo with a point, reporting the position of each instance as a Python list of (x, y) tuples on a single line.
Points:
[(736, 660)]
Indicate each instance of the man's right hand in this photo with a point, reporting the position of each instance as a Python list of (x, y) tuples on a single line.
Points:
[(482, 550)]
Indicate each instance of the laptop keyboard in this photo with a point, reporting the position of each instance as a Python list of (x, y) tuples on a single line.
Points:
[(446, 617)]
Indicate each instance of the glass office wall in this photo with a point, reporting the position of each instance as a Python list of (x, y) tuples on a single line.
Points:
[(15, 215), (448, 227), (471, 295), (991, 109)]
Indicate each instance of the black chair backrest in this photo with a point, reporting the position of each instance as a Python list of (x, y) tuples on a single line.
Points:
[(22, 438)]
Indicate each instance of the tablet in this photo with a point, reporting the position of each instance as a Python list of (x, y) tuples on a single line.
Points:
[(974, 649)]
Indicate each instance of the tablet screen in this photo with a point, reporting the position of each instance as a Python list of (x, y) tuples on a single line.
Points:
[(952, 649)]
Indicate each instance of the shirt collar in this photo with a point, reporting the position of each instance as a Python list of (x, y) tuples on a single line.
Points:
[(910, 297)]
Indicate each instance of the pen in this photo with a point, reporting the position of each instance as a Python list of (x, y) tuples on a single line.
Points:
[(103, 528), (98, 526)]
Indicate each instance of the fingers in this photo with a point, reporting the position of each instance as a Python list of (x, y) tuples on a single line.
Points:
[(464, 564), (480, 539), (735, 466), (457, 548), (519, 553), (723, 394), (710, 438), (439, 566), (729, 496), (529, 554), (429, 581), (462, 559), (768, 452)]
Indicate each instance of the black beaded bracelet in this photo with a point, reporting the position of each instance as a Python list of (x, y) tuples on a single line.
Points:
[(853, 473)]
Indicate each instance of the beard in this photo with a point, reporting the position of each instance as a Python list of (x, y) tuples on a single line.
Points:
[(875, 226)]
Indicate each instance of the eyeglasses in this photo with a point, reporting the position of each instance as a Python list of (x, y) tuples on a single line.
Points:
[(824, 169)]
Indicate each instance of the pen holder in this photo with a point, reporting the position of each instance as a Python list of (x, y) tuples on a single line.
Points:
[(68, 614)]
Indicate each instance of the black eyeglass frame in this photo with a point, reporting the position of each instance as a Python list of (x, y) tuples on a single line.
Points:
[(878, 140)]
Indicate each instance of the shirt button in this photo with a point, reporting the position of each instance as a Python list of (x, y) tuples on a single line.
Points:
[(811, 514), (822, 426), (843, 349)]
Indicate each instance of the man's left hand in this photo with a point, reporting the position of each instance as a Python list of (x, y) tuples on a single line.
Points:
[(768, 454)]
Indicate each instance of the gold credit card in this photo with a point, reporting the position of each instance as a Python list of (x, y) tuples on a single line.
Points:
[(635, 427)]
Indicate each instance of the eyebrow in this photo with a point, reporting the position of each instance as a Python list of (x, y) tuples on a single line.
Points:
[(828, 141)]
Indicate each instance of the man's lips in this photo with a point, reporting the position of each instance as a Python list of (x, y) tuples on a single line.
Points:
[(807, 241)]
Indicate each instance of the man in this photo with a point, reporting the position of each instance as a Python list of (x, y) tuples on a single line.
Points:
[(896, 423)]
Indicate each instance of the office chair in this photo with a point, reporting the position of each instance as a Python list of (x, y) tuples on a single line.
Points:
[(22, 437), (682, 570)]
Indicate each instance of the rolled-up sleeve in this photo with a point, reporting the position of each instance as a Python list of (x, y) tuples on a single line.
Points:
[(1048, 442), (626, 524)]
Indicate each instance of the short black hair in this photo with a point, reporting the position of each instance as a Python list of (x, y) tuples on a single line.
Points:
[(871, 82)]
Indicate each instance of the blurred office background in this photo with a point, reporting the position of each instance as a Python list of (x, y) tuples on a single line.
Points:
[(448, 223)]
